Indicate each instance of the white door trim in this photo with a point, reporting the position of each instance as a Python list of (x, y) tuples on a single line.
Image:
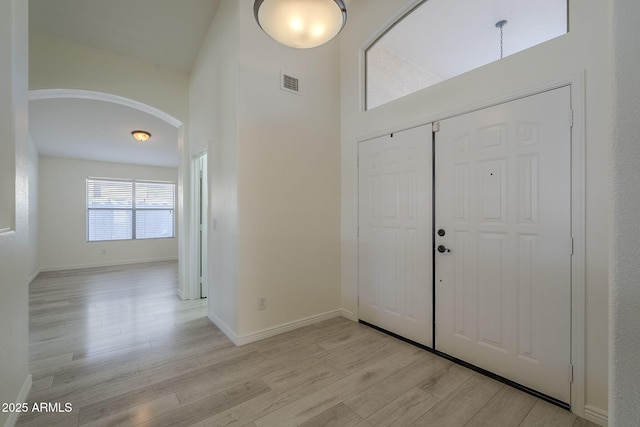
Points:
[(194, 261), (578, 209)]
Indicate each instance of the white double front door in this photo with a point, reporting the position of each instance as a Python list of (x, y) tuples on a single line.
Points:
[(498, 229), (394, 244)]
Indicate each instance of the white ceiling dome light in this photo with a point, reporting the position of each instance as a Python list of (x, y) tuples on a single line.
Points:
[(300, 23)]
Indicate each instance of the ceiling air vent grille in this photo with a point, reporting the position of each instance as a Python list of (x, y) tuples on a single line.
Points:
[(290, 83)]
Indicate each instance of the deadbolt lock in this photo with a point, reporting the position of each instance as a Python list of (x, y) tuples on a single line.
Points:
[(443, 249)]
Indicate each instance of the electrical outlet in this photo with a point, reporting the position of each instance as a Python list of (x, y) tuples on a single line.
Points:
[(262, 303)]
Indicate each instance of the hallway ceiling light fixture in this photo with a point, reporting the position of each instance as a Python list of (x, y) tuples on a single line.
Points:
[(141, 135), (300, 23)]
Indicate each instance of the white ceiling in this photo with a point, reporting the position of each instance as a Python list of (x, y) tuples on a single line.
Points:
[(163, 32), (167, 33), (99, 130)]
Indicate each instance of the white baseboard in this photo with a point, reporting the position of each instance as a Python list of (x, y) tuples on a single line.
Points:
[(106, 264), (596, 415), (276, 330), (33, 276), (22, 397), (181, 294), (223, 327), (348, 315)]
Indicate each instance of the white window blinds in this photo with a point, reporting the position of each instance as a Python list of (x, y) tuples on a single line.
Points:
[(125, 210)]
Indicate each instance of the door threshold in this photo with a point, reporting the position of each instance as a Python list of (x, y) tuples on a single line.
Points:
[(475, 368), (400, 337)]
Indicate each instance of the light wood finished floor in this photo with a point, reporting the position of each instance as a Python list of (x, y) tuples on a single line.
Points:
[(122, 349)]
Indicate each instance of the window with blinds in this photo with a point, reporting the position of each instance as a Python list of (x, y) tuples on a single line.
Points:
[(127, 210)]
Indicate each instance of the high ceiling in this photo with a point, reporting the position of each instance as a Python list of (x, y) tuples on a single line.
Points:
[(166, 33), (169, 33), (163, 32)]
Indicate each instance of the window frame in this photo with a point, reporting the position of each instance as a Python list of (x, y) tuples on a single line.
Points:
[(133, 209), (404, 13)]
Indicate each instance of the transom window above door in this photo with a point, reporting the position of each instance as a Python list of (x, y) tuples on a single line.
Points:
[(441, 39)]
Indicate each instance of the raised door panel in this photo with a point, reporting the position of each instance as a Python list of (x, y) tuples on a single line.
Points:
[(503, 197), (394, 243)]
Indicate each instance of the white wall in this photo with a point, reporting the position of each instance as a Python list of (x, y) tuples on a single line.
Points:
[(59, 64), (62, 202), (289, 180), (624, 406), (14, 243), (583, 51), (274, 165), (214, 126)]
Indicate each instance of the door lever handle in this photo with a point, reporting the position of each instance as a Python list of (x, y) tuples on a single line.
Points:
[(443, 249)]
